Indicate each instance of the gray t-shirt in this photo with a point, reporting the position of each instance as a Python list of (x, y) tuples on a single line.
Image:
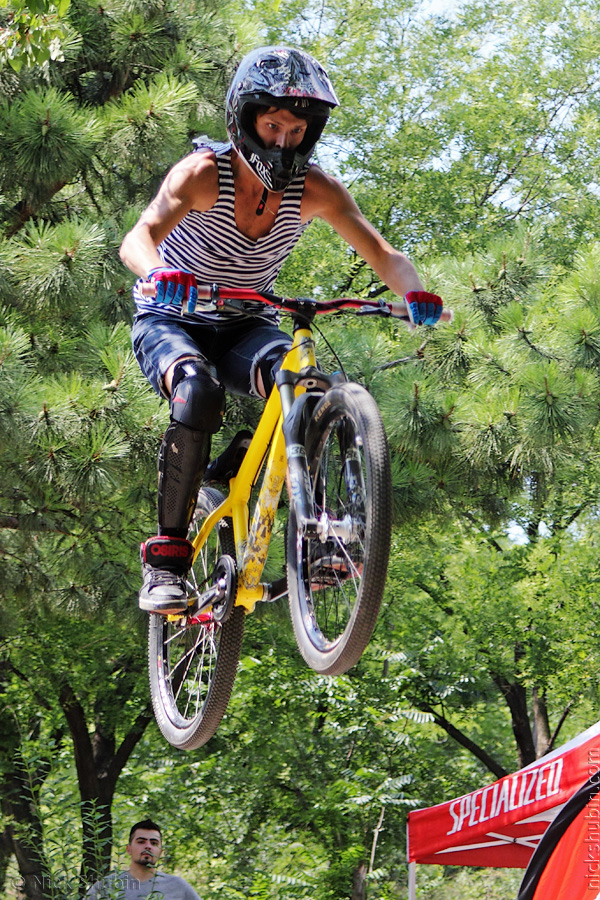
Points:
[(125, 887)]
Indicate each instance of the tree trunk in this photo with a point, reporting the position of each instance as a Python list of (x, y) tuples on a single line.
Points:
[(359, 883), (25, 833), (541, 725), (516, 698), (6, 851), (99, 765)]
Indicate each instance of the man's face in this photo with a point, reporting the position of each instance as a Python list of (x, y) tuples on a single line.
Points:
[(280, 128), (145, 847)]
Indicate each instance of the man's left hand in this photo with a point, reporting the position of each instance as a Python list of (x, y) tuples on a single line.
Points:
[(423, 308)]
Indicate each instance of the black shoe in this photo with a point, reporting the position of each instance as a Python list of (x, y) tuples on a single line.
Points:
[(165, 564), (227, 464)]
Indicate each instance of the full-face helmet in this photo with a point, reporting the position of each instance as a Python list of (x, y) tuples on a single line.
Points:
[(288, 79)]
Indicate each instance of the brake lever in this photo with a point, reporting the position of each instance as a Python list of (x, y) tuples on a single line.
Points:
[(382, 309)]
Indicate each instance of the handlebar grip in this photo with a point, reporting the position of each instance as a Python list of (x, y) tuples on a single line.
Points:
[(148, 289), (399, 310)]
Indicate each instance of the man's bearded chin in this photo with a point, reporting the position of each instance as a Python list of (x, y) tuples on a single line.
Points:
[(147, 860)]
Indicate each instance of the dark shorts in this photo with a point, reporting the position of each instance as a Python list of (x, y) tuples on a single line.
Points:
[(234, 349)]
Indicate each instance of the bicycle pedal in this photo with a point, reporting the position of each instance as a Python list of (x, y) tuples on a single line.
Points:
[(226, 465)]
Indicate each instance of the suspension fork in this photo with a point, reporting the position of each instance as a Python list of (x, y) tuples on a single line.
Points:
[(296, 410), (295, 380)]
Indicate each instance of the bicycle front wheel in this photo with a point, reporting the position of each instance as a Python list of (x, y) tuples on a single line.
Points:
[(193, 659), (336, 579)]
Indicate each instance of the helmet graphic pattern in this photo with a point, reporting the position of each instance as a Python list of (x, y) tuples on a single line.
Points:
[(286, 73)]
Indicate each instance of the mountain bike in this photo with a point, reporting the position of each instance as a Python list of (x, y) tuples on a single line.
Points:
[(323, 437)]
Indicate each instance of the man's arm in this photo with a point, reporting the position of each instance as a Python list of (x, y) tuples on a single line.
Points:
[(193, 183), (326, 198)]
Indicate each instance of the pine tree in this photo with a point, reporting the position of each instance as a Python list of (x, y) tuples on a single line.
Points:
[(87, 136)]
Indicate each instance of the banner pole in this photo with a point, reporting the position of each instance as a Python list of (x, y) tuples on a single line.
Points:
[(412, 881), (412, 867)]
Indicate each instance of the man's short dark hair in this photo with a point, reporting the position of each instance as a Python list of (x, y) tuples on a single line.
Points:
[(144, 825)]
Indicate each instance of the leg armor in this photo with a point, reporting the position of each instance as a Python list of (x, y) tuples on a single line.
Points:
[(197, 406)]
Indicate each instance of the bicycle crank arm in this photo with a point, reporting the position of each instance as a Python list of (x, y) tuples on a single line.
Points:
[(215, 593), (276, 590), (221, 594)]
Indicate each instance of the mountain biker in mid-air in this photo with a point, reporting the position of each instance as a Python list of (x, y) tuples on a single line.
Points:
[(232, 215)]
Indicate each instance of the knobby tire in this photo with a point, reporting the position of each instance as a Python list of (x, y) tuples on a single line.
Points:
[(193, 660), (336, 586)]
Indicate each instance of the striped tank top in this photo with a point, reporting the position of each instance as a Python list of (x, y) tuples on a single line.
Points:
[(210, 245)]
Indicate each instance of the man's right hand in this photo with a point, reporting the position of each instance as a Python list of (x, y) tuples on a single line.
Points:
[(175, 287)]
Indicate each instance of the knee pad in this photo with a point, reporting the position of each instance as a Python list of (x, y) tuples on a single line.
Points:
[(268, 362), (197, 396)]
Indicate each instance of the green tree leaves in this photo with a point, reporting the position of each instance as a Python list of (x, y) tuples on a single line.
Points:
[(34, 33), (48, 139)]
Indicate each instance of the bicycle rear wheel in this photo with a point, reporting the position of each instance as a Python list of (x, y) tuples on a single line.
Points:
[(193, 659), (336, 580)]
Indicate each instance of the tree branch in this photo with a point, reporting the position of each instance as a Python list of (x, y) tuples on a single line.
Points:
[(127, 745), (466, 742)]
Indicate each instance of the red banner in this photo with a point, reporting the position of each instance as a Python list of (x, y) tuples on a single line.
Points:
[(502, 823)]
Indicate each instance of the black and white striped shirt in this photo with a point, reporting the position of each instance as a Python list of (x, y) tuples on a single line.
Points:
[(210, 245)]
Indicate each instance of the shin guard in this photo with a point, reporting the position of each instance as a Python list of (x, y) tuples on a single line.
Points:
[(183, 457)]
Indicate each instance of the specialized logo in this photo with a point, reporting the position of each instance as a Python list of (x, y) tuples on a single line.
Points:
[(512, 792)]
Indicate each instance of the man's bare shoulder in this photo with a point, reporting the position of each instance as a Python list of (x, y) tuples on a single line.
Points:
[(318, 181), (199, 161), (324, 195), (196, 176)]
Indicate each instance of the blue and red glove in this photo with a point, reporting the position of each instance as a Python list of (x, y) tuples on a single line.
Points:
[(175, 287), (423, 308)]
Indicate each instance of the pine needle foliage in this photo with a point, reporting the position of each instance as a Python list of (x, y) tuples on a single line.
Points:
[(87, 135), (48, 141)]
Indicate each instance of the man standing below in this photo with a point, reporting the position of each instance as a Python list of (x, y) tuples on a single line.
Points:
[(142, 878)]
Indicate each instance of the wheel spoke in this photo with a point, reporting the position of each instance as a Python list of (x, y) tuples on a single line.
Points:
[(341, 483), (193, 659)]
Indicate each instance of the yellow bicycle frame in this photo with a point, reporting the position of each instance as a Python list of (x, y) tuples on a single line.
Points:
[(252, 543)]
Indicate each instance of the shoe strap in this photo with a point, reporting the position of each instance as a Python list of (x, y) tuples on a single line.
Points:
[(172, 553)]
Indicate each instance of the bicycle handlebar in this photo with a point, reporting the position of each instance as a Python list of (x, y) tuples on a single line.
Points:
[(216, 296)]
